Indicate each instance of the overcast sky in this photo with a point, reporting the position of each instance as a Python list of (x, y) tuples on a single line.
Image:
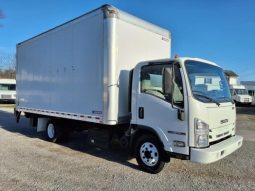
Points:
[(222, 31)]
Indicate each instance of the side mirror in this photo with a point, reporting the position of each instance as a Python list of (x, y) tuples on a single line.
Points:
[(168, 82), (170, 90)]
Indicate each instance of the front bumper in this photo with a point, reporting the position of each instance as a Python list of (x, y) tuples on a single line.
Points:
[(217, 151), (244, 102), (7, 100)]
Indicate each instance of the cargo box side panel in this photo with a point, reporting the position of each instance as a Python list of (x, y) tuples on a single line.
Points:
[(135, 44), (61, 70)]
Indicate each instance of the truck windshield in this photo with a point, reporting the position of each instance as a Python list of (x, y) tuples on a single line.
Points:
[(241, 91), (208, 83), (7, 87)]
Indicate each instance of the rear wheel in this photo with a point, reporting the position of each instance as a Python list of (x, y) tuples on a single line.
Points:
[(149, 154), (53, 132)]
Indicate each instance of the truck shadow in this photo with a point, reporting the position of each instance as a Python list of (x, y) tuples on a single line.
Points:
[(248, 110), (76, 141)]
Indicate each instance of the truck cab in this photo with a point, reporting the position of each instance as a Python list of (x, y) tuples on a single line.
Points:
[(182, 108), (7, 90), (240, 94)]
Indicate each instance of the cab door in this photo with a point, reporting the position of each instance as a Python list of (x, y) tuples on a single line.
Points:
[(162, 109)]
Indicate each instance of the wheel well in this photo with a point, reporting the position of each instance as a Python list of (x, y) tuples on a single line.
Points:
[(141, 131)]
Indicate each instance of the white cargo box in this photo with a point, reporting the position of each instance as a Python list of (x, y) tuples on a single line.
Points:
[(80, 70)]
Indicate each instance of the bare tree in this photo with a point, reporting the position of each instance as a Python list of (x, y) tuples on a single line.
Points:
[(7, 66), (7, 61)]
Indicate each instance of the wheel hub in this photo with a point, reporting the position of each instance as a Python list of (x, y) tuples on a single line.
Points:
[(51, 131), (149, 154)]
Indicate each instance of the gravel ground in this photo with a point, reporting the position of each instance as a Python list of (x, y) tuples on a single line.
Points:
[(27, 162)]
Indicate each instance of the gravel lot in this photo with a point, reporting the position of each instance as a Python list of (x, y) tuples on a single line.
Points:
[(27, 162)]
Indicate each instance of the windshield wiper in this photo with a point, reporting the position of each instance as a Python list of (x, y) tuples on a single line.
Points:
[(198, 93), (226, 98)]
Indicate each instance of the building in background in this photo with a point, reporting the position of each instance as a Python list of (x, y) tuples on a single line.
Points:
[(232, 77)]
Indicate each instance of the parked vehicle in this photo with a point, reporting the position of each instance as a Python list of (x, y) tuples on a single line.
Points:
[(250, 86), (7, 90), (111, 73), (240, 94)]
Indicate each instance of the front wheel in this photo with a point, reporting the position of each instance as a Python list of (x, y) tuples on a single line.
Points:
[(149, 154)]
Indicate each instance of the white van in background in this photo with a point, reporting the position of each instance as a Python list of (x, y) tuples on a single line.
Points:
[(7, 90), (250, 86), (240, 94)]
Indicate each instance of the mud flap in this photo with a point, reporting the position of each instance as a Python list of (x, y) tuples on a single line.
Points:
[(17, 115)]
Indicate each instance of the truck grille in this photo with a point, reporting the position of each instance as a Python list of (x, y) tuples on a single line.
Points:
[(6, 96), (220, 133), (246, 100), (214, 142)]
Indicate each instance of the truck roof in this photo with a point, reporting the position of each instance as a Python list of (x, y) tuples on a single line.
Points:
[(230, 73), (7, 81), (184, 59), (198, 60), (112, 12)]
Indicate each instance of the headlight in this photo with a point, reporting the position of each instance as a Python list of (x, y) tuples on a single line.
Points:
[(201, 133)]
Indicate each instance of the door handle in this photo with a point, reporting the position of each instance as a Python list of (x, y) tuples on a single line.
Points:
[(180, 114), (141, 112)]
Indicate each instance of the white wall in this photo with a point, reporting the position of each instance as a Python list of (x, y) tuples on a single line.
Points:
[(233, 80)]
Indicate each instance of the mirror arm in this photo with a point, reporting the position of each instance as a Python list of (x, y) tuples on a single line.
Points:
[(180, 112), (173, 77), (163, 80)]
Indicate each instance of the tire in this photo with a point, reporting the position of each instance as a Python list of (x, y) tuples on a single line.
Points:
[(53, 132), (149, 154)]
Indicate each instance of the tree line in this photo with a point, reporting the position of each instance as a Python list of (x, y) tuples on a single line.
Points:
[(7, 66), (7, 74)]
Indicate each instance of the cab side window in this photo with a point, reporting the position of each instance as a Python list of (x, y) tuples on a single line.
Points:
[(151, 80)]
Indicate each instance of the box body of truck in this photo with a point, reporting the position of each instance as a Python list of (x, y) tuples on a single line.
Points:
[(80, 70)]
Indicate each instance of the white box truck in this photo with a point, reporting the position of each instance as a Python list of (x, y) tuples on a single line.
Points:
[(240, 94), (111, 73), (7, 90)]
